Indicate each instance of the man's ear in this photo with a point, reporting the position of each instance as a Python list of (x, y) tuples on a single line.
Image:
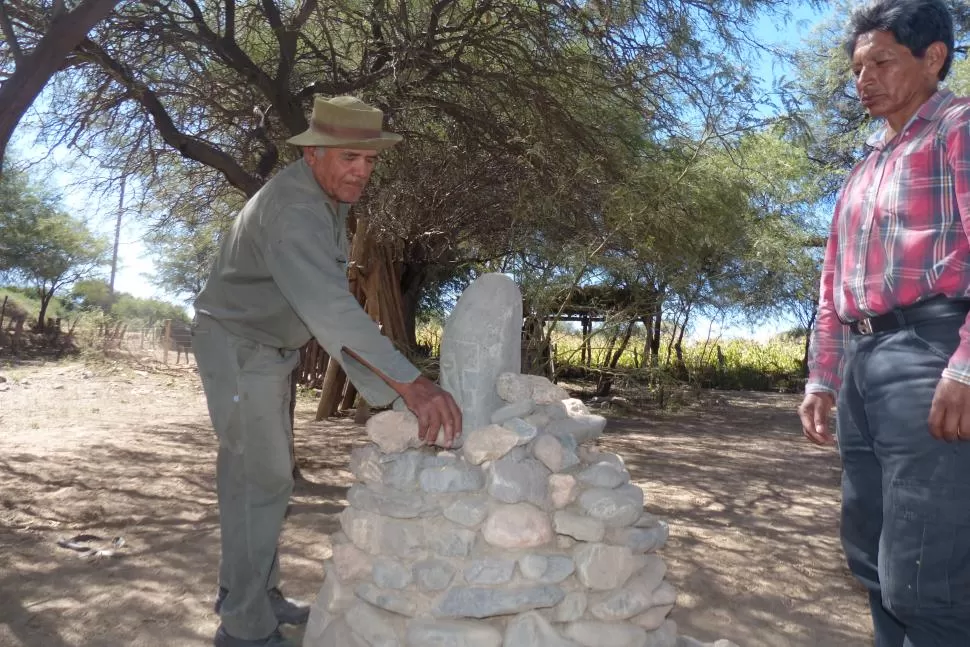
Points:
[(934, 57)]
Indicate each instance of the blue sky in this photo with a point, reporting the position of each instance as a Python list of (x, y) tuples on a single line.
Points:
[(136, 267)]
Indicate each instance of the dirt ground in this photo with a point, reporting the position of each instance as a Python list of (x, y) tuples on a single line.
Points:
[(113, 451)]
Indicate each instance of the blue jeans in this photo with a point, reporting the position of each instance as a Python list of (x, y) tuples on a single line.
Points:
[(905, 495)]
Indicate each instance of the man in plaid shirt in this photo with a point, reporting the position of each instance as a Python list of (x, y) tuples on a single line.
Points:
[(892, 342)]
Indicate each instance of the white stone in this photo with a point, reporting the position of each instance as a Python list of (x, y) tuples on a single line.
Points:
[(481, 340), (513, 387), (602, 567), (563, 489), (591, 633), (338, 633), (468, 511), (350, 562), (532, 630), (485, 602), (578, 526), (592, 455), (451, 633), (379, 535), (539, 419), (567, 407), (394, 431), (488, 443), (376, 627), (520, 525), (525, 431), (519, 409), (553, 453), (400, 602), (365, 463)]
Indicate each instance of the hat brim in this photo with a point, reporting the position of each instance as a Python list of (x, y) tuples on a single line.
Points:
[(312, 137)]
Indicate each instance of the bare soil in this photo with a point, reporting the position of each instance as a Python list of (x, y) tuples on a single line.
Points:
[(122, 450)]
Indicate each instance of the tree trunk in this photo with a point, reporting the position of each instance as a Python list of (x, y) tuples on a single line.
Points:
[(808, 342), (45, 300), (413, 276), (34, 69)]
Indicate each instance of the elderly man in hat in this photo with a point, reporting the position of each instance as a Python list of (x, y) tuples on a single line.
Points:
[(892, 343), (280, 279)]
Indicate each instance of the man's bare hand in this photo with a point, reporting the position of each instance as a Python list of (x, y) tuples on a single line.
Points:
[(950, 411), (434, 408), (814, 412)]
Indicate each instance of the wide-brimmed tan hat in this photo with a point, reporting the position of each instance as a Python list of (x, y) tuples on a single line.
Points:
[(345, 122)]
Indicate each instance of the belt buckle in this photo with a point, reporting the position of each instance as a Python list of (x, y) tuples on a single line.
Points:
[(864, 326)]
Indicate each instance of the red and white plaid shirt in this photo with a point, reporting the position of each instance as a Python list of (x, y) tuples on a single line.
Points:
[(899, 234)]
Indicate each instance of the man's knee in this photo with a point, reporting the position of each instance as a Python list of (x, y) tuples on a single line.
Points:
[(925, 567)]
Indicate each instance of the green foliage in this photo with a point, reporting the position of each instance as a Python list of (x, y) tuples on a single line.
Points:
[(42, 246), (91, 293), (145, 312)]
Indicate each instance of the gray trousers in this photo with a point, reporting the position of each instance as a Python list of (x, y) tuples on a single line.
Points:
[(247, 387)]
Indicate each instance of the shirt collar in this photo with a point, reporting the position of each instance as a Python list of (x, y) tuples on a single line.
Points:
[(929, 111)]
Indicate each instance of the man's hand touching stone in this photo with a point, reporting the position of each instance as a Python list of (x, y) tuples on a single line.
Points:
[(814, 413), (434, 408)]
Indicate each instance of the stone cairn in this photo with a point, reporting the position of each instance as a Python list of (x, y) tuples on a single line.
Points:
[(522, 536)]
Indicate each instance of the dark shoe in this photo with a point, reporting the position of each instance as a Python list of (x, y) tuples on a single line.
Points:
[(288, 612), (275, 639)]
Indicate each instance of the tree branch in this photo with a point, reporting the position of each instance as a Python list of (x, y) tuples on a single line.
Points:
[(8, 33), (189, 146)]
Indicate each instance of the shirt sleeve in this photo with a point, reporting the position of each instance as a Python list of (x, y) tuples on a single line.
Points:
[(958, 158), (827, 346), (303, 262)]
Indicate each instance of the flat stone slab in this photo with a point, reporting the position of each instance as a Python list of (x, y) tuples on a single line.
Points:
[(481, 602)]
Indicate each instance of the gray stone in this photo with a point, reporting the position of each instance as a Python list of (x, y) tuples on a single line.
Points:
[(448, 539), (554, 453), (519, 525), (603, 567), (532, 630), (433, 574), (489, 570), (401, 470), (538, 418), (640, 540), (335, 596), (572, 607), (512, 481), (591, 633), (374, 626), (488, 443), (390, 503), (635, 597), (479, 602), (665, 636), (380, 535), (580, 427), (578, 526), (338, 633), (604, 475), (546, 569), (451, 633), (619, 507), (439, 459), (454, 477), (524, 431), (481, 340), (468, 511), (403, 603), (365, 463), (592, 456), (390, 574), (519, 409), (653, 618)]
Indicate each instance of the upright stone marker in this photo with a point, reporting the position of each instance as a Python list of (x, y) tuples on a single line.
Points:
[(481, 340)]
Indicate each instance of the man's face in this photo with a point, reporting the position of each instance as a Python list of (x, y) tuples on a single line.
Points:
[(890, 81), (342, 172)]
